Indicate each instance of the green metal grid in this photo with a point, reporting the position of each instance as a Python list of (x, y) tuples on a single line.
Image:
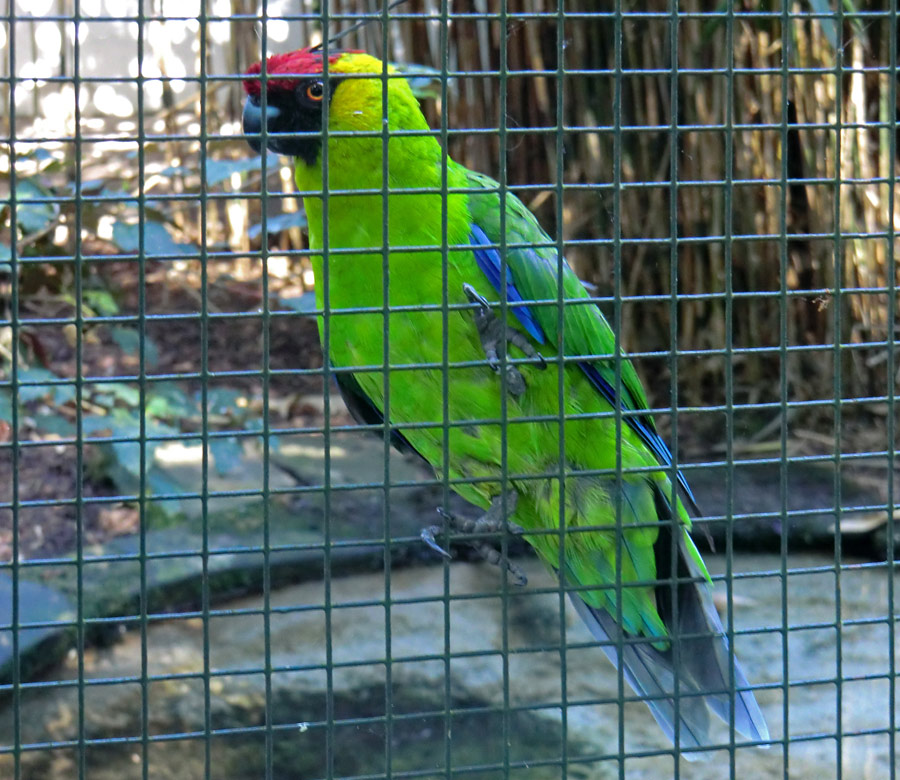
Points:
[(17, 567)]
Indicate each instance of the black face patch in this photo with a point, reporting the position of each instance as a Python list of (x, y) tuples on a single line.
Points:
[(293, 120)]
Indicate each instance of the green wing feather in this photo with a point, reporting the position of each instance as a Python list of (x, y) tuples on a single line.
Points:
[(536, 273)]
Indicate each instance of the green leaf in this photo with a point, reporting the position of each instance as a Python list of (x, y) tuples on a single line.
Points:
[(40, 154), (46, 160), (101, 302), (55, 423), (170, 402), (126, 424), (829, 28), (278, 223), (33, 217), (858, 23), (255, 424), (43, 386), (108, 394), (175, 170), (218, 171), (129, 341), (157, 239), (6, 405), (224, 400), (127, 453), (425, 82), (91, 424), (161, 484), (227, 454), (92, 186), (302, 304), (117, 190), (106, 400)]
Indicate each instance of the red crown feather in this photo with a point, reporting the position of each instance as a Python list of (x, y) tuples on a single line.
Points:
[(300, 63)]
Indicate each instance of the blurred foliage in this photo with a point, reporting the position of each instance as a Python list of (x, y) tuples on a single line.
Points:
[(113, 415)]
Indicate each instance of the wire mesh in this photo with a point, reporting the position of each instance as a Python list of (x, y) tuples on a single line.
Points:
[(207, 570)]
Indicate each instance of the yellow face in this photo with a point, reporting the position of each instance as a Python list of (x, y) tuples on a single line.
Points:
[(358, 104)]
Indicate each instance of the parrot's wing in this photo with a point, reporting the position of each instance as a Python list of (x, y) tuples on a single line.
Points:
[(364, 410), (533, 272), (704, 664)]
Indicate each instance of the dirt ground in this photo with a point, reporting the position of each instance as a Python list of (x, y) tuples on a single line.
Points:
[(48, 473)]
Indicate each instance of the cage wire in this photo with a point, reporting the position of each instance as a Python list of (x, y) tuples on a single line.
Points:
[(208, 570)]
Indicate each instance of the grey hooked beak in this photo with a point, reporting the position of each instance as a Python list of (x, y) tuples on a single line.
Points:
[(253, 121)]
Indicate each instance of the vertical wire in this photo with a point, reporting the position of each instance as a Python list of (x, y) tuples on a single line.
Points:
[(617, 365), (142, 395), (504, 406), (445, 370), (729, 387), (269, 737), (14, 401), (784, 392), (561, 374), (205, 591), (891, 281), (326, 403), (79, 397), (386, 379), (837, 385), (266, 383), (673, 370)]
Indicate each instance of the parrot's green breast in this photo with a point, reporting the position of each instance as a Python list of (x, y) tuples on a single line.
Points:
[(490, 434), (420, 392)]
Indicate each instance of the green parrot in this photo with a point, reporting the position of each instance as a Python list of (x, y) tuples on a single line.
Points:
[(427, 357)]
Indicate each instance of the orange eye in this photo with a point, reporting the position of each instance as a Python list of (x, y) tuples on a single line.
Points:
[(315, 91)]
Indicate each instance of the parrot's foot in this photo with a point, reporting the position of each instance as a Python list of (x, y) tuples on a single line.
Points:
[(492, 332), (492, 521)]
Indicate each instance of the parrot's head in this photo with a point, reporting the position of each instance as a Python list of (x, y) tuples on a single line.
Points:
[(297, 90)]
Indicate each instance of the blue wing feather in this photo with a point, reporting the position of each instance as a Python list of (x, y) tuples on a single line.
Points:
[(489, 261)]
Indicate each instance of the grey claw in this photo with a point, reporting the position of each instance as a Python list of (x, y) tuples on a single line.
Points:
[(474, 297), (428, 535), (515, 382), (519, 578), (492, 332)]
